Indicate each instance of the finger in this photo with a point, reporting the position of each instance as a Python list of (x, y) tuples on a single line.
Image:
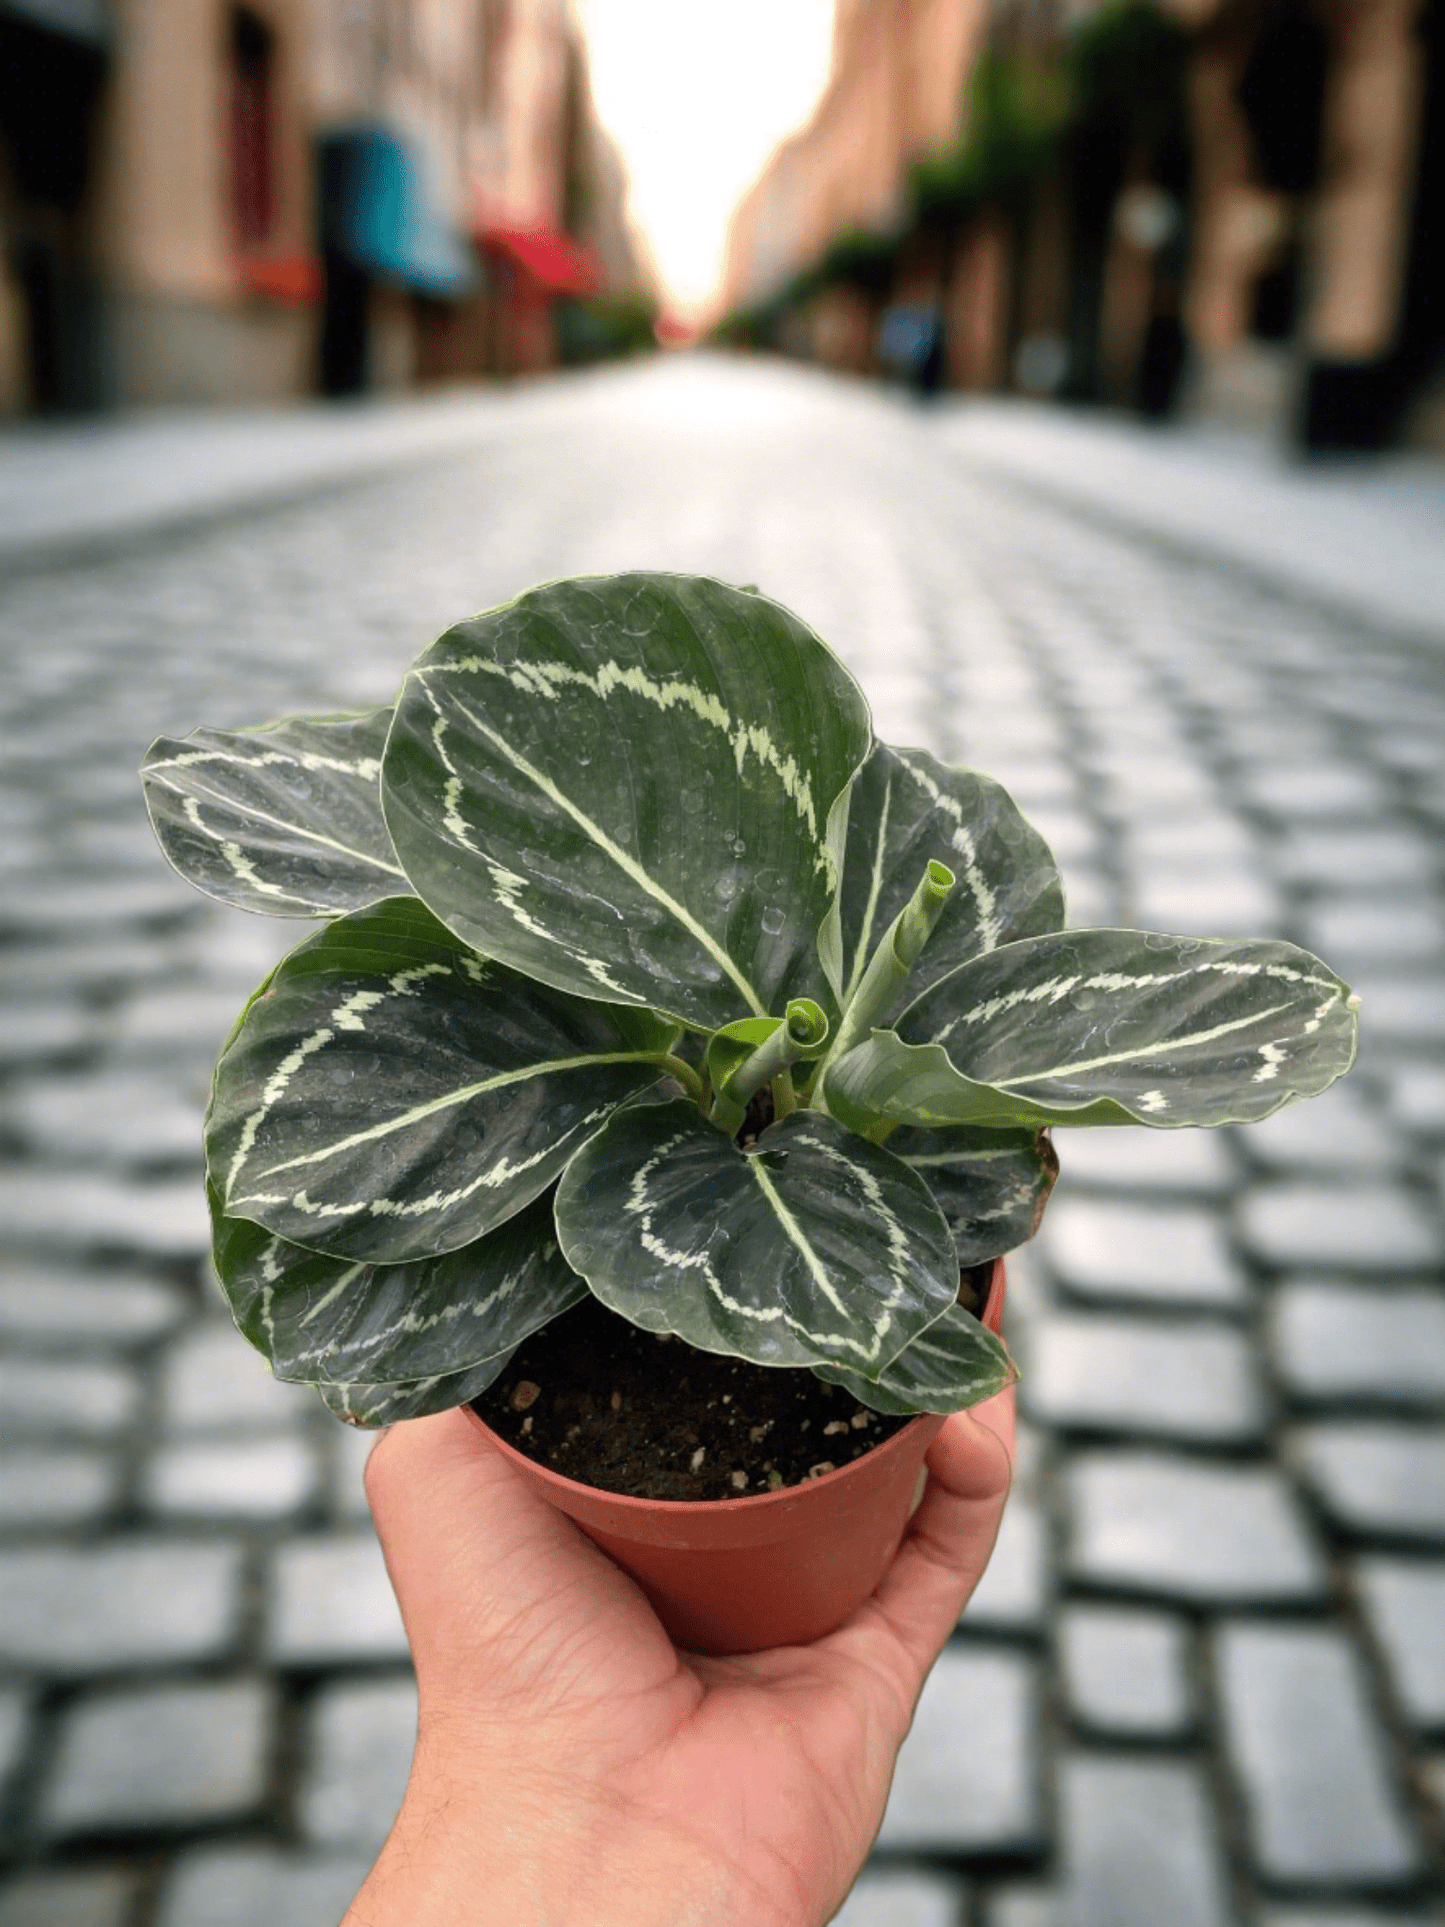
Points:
[(493, 1582), (436, 1480), (458, 1527), (997, 1413), (948, 1543)]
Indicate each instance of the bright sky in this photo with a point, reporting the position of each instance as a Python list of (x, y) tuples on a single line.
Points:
[(696, 94)]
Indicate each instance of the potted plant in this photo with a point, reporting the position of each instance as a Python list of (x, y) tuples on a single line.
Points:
[(674, 1066)]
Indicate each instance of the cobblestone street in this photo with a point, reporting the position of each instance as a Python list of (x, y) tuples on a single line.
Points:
[(1203, 1683)]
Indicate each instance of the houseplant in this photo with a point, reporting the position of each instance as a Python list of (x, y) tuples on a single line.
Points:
[(652, 983)]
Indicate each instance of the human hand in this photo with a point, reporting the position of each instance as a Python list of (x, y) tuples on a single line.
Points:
[(575, 1769)]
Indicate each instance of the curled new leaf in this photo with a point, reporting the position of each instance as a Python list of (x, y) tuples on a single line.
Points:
[(905, 810), (390, 1095), (622, 786), (1107, 1027), (814, 1246), (285, 818)]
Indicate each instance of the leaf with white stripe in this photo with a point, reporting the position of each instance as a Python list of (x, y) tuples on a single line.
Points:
[(991, 1186), (957, 1362), (285, 818), (814, 1245), (1107, 1027), (622, 786), (391, 1095), (371, 1406), (906, 809), (319, 1318)]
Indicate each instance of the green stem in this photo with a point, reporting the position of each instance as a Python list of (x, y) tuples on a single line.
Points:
[(888, 968), (802, 1033), (679, 1068), (785, 1098)]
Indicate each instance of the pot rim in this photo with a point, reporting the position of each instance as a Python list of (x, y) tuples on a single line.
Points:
[(755, 1501), (690, 1508)]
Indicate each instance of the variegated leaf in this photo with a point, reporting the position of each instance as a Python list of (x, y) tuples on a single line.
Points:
[(372, 1406), (904, 809), (285, 818), (815, 1245), (1107, 1027), (390, 1095), (991, 1186), (318, 1318), (622, 785), (955, 1363)]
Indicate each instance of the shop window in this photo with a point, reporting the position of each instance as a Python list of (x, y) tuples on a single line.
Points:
[(253, 187)]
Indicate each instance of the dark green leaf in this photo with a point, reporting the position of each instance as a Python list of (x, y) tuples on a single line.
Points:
[(815, 1245), (1107, 1027), (285, 818), (905, 809), (622, 785), (955, 1363), (391, 1095), (991, 1186), (318, 1318), (371, 1406)]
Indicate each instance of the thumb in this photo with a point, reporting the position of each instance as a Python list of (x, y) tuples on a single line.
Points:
[(952, 1534)]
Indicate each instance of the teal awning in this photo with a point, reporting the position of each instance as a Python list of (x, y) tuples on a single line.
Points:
[(383, 217)]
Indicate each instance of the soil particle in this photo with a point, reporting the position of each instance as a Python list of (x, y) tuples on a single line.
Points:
[(640, 1413)]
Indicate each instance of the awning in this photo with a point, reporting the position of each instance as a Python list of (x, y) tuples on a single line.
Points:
[(376, 210), (553, 260), (84, 20), (292, 278)]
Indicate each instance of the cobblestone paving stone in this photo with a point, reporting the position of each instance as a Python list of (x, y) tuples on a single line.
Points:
[(1203, 1685)]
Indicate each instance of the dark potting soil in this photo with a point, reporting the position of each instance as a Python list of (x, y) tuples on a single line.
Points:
[(593, 1397)]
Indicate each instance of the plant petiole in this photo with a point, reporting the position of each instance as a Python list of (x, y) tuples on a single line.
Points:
[(686, 1075)]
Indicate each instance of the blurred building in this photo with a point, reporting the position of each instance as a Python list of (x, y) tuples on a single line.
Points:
[(203, 201), (1315, 274), (897, 79), (1229, 207)]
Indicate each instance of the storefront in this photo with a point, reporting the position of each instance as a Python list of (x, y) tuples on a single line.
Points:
[(54, 59)]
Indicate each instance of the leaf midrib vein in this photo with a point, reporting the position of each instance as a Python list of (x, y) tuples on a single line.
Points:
[(619, 856), (1144, 1050), (546, 1068)]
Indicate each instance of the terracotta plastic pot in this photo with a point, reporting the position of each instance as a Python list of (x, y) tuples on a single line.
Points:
[(777, 1569)]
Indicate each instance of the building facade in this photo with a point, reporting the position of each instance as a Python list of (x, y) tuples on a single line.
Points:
[(899, 71), (1235, 211), (248, 202)]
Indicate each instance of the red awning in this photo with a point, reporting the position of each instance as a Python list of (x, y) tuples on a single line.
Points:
[(551, 259)]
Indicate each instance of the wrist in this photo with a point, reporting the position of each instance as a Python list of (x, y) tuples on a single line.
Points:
[(489, 1847)]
